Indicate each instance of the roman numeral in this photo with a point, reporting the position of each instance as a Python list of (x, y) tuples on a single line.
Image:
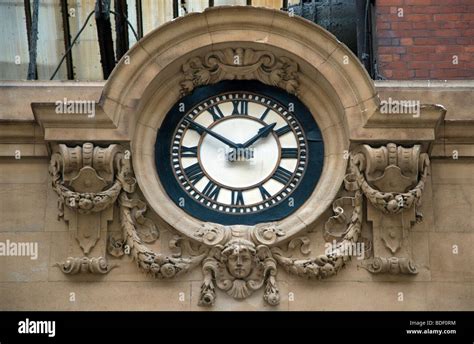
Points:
[(188, 152), (241, 107), (194, 173), (282, 175), (211, 190), (289, 153), (193, 126), (216, 112), (237, 198), (265, 194), (283, 130), (265, 113)]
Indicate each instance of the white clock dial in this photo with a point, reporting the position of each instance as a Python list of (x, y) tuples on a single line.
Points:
[(239, 152)]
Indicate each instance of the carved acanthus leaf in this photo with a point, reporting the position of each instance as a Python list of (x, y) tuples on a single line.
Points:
[(240, 64)]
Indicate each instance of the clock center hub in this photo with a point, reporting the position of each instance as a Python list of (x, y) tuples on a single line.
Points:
[(241, 167)]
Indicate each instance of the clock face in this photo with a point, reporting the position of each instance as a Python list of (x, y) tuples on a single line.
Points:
[(239, 152)]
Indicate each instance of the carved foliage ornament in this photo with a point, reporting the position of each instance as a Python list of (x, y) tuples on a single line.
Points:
[(392, 178), (234, 259), (240, 64), (403, 167), (88, 180)]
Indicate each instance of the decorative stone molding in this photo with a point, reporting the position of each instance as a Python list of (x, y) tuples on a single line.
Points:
[(391, 265), (240, 64), (392, 170), (392, 178), (213, 233), (266, 233), (75, 265), (328, 264), (239, 268), (88, 180), (239, 259), (156, 264)]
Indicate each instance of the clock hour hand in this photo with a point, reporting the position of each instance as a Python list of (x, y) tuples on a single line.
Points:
[(221, 138), (262, 132)]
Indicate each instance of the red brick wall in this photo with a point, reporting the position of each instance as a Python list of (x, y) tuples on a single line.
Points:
[(427, 41)]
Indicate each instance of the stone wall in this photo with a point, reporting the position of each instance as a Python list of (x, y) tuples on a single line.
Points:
[(441, 244)]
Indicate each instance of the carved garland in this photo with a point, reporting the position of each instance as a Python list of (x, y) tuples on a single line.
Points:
[(158, 265), (329, 264), (392, 202), (235, 260)]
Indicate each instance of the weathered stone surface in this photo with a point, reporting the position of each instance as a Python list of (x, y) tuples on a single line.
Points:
[(357, 296), (451, 256), (450, 296), (453, 207), (90, 296), (22, 207), (26, 171)]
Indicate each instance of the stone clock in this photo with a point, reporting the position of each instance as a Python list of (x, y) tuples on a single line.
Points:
[(239, 152)]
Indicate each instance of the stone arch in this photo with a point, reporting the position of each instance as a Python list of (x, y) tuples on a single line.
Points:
[(146, 84)]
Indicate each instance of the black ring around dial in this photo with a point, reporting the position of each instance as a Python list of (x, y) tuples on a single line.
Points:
[(306, 185)]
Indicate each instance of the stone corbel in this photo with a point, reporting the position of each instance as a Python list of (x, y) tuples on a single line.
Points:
[(88, 180), (392, 179)]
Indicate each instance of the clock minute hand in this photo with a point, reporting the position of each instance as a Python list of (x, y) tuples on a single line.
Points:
[(212, 133), (262, 132)]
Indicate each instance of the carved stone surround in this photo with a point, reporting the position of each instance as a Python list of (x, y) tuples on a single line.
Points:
[(239, 260), (379, 182)]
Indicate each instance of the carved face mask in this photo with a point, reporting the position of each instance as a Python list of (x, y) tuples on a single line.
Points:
[(239, 263)]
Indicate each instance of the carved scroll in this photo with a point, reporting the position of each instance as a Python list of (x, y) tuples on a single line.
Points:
[(392, 265), (75, 265), (240, 64)]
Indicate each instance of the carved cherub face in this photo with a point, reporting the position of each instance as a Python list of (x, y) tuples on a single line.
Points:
[(239, 255)]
